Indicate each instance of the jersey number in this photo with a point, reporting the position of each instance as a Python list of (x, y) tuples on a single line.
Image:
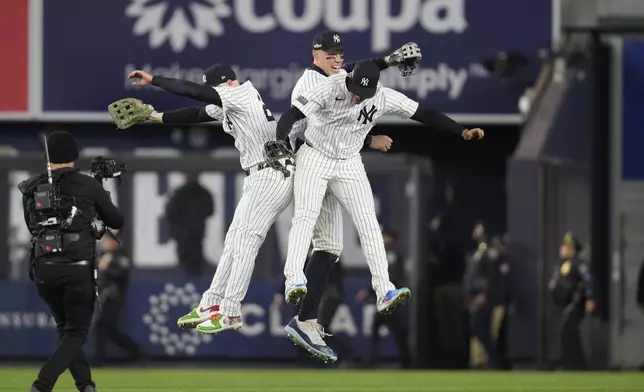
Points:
[(269, 115)]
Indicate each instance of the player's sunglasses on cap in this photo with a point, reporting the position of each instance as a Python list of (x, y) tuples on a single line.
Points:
[(328, 41), (218, 74), (363, 81)]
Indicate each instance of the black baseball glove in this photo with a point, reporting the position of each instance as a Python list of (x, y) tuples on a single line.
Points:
[(407, 58), (279, 156)]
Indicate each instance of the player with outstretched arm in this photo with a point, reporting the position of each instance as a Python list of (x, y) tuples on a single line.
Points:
[(328, 57), (267, 189), (340, 112)]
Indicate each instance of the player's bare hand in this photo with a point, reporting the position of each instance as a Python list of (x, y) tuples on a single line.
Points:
[(142, 78), (362, 296), (381, 143), (469, 134)]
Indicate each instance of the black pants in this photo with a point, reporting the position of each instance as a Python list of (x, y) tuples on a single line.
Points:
[(481, 329), (191, 258), (107, 329), (450, 321), (69, 292), (396, 324), (572, 354)]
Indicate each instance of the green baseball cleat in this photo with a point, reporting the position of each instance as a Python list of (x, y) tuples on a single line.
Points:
[(198, 315), (219, 323)]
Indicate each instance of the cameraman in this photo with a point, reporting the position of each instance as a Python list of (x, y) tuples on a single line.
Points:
[(64, 272)]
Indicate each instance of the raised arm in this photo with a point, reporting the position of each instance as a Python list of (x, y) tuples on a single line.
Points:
[(184, 88), (189, 115), (407, 58), (400, 105), (381, 62)]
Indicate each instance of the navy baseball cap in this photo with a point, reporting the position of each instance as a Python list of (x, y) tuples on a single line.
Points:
[(363, 81), (328, 41), (218, 74)]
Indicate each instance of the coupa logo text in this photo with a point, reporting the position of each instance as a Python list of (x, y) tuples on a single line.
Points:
[(181, 22)]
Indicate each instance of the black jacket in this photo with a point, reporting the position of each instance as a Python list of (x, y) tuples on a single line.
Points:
[(187, 211), (90, 199), (571, 282), (113, 281)]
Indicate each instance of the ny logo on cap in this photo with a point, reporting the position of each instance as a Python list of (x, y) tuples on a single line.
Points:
[(204, 79), (336, 38), (364, 82)]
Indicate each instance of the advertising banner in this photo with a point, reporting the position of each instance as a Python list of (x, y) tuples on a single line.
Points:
[(633, 116), (85, 63), (28, 330), (14, 67)]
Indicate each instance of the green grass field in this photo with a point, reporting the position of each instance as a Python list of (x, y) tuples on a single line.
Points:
[(177, 380)]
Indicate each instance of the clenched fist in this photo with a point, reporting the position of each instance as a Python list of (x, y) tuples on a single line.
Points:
[(468, 134), (381, 142)]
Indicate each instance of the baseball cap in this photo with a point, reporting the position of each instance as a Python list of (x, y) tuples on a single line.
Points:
[(328, 41), (363, 81), (218, 74)]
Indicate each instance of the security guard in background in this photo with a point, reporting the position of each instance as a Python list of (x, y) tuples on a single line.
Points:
[(486, 287), (114, 276), (396, 322), (571, 288), (60, 217)]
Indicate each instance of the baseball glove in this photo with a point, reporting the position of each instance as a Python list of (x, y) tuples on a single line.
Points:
[(407, 58), (128, 112), (279, 157)]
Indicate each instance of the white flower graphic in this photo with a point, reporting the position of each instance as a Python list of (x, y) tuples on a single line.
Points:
[(163, 330), (192, 21)]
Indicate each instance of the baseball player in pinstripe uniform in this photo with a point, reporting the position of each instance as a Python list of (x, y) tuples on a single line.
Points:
[(267, 190), (266, 194), (340, 112), (328, 56)]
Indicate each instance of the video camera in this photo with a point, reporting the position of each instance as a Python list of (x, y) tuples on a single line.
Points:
[(103, 168)]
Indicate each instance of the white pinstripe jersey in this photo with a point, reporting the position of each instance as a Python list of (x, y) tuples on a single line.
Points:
[(245, 117), (309, 79), (336, 125)]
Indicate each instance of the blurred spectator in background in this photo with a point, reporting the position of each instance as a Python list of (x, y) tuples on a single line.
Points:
[(114, 275), (487, 291), (446, 276), (187, 212), (572, 290), (640, 293), (396, 322), (502, 298)]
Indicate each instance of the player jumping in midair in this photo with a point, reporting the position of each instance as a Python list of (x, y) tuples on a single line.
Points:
[(328, 58), (266, 192), (340, 112)]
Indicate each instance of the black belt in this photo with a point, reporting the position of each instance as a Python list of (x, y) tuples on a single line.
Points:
[(256, 168), (82, 263)]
